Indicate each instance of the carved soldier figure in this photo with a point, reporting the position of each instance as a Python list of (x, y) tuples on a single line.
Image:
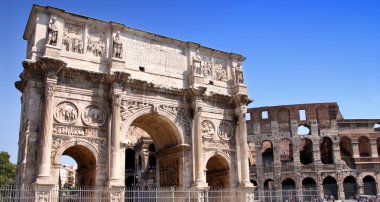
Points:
[(239, 74), (117, 46), (52, 32), (197, 60)]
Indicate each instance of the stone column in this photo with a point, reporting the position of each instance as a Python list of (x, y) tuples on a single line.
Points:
[(355, 149), (45, 136), (374, 148), (242, 146), (115, 139), (200, 177)]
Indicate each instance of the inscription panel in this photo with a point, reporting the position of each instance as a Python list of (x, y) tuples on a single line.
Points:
[(143, 51)]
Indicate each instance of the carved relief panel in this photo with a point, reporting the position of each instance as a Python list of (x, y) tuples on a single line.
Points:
[(66, 112), (220, 70), (73, 38), (94, 115), (208, 129), (169, 172), (96, 42), (225, 130)]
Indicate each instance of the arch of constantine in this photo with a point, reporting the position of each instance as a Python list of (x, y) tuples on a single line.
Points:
[(87, 82), (134, 108)]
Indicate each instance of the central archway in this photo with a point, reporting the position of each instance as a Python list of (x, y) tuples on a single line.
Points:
[(218, 173), (86, 161), (158, 152)]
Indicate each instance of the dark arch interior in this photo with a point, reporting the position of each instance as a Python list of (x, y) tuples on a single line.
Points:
[(306, 151), (129, 160), (86, 161), (350, 187), (160, 129), (364, 147), (369, 185), (267, 153), (288, 184), (346, 151), (330, 187), (269, 184), (309, 189), (218, 172), (326, 149)]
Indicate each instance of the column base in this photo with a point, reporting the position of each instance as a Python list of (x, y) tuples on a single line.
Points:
[(116, 193), (44, 192), (43, 180), (200, 185)]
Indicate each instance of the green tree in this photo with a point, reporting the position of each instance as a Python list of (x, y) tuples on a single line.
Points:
[(7, 170)]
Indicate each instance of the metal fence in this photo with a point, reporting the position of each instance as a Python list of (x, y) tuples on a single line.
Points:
[(84, 194)]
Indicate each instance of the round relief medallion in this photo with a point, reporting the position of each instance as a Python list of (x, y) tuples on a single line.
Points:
[(66, 112), (94, 115), (208, 129), (225, 131)]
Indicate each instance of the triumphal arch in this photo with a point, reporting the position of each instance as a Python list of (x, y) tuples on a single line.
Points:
[(86, 82)]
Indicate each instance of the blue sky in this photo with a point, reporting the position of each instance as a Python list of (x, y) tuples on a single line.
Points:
[(297, 51)]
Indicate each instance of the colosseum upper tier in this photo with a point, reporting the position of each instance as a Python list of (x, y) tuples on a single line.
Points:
[(312, 147)]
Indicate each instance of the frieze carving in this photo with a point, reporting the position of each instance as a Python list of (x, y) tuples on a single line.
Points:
[(66, 112), (73, 38), (220, 71), (52, 32), (169, 172), (78, 131), (208, 129), (94, 115), (180, 117), (96, 43), (225, 131), (216, 144), (129, 107)]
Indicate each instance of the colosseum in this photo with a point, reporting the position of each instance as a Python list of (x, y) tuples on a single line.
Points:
[(312, 148)]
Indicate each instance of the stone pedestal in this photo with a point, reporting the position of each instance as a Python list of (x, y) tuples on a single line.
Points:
[(52, 51), (116, 64), (116, 193), (196, 80), (44, 192), (240, 89)]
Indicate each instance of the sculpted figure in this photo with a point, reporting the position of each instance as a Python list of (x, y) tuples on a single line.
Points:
[(239, 74), (117, 46), (197, 63), (52, 32)]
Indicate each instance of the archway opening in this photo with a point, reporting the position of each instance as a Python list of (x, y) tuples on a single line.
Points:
[(303, 130), (218, 173), (84, 175), (306, 151), (288, 189), (369, 185), (148, 135), (269, 190), (267, 155), (350, 187), (364, 147), (346, 151), (309, 189), (286, 151), (251, 154), (330, 187), (326, 149)]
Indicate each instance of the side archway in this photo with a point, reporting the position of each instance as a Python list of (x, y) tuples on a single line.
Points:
[(218, 172)]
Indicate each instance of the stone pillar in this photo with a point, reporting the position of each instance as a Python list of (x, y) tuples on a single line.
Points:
[(45, 136), (200, 177), (355, 149), (115, 138), (242, 146), (374, 148)]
